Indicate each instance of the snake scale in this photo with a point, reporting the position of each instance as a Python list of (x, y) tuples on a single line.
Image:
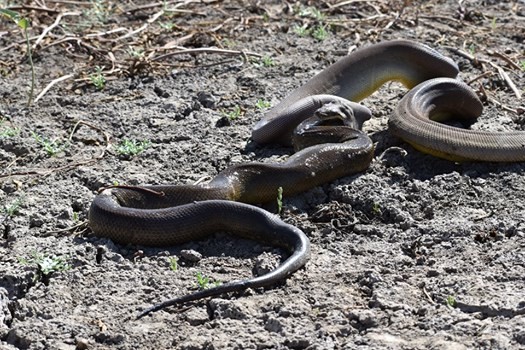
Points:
[(172, 214)]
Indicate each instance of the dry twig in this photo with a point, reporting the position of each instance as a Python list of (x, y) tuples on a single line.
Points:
[(51, 84), (56, 23), (72, 165), (504, 76), (208, 50)]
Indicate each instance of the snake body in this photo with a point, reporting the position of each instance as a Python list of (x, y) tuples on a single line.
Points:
[(353, 78), (416, 121), (166, 215)]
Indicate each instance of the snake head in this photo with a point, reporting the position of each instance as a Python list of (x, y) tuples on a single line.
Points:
[(336, 113), (334, 122)]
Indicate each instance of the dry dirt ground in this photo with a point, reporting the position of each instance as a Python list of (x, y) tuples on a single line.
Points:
[(414, 253)]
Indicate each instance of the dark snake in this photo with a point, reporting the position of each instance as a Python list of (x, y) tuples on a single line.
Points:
[(173, 214)]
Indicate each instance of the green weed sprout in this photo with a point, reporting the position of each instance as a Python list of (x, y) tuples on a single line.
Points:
[(451, 301), (135, 53), (174, 263), (132, 147), (311, 12), (301, 30), (204, 282), (23, 23), (12, 209), (232, 115), (376, 208), (6, 131), (320, 33), (51, 147), (262, 104), (46, 264), (98, 79), (267, 61)]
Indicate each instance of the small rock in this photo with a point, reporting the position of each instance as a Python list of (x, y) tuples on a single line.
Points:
[(298, 343), (273, 325), (222, 122), (82, 343), (206, 99), (114, 257), (5, 315), (364, 319), (65, 214), (197, 316), (18, 340), (227, 309), (265, 263), (107, 338), (433, 273), (36, 220), (161, 92), (191, 255)]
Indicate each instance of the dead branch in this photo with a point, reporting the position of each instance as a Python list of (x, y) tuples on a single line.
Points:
[(207, 50), (506, 59), (33, 8), (501, 72), (113, 31), (72, 165), (51, 84), (48, 29)]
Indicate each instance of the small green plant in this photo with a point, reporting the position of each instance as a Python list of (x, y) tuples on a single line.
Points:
[(99, 12), (493, 23), (228, 42), (23, 23), (267, 61), (235, 114), (204, 282), (12, 209), (132, 147), (320, 33), (522, 65), (6, 131), (174, 263), (135, 53), (97, 78), (167, 25), (46, 264), (311, 12), (262, 104), (279, 200), (376, 209), (472, 49), (451, 301), (52, 147), (301, 30)]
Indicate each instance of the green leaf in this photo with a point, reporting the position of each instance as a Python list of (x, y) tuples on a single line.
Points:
[(22, 22), (10, 14)]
